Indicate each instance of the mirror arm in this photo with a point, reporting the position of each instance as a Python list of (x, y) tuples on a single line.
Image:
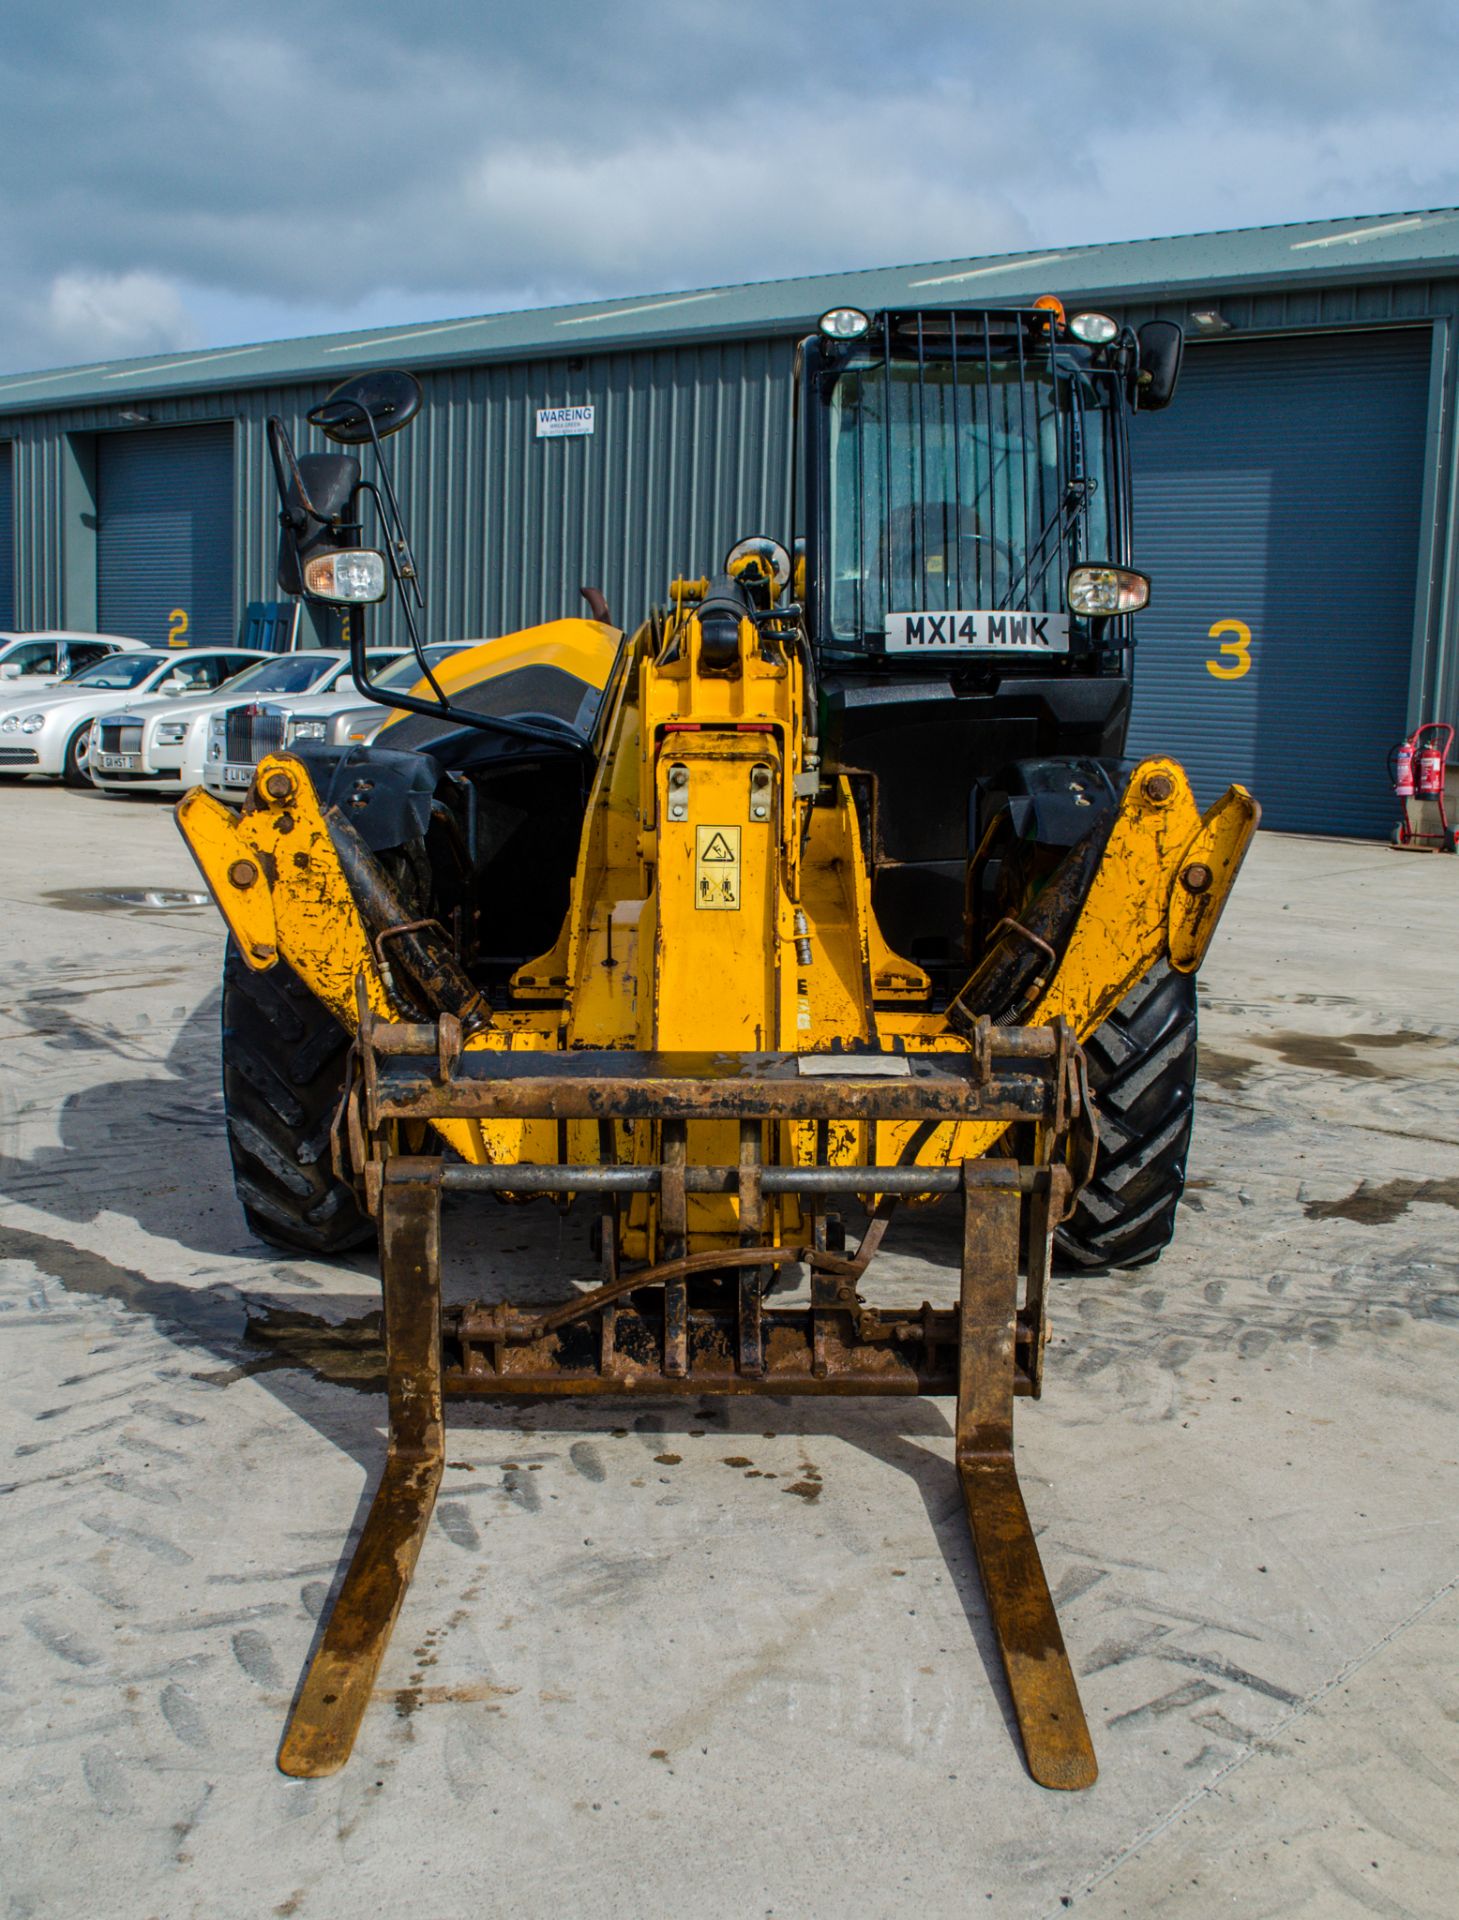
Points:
[(280, 446), (394, 520), (393, 561), (445, 709)]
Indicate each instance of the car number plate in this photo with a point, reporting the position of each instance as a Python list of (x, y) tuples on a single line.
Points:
[(237, 776), (117, 762), (977, 631)]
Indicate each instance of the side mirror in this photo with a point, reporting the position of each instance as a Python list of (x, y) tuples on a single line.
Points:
[(312, 516), (10, 672), (172, 688), (389, 398), (1162, 347)]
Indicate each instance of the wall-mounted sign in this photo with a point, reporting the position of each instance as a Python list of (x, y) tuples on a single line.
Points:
[(555, 423)]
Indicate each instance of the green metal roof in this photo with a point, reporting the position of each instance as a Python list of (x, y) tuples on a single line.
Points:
[(1366, 247)]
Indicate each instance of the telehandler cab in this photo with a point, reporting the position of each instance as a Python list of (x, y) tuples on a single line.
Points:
[(803, 899)]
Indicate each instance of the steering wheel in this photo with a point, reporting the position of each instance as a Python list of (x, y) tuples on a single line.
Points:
[(921, 533)]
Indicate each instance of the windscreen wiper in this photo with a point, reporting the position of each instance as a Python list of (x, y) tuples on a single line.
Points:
[(1076, 497)]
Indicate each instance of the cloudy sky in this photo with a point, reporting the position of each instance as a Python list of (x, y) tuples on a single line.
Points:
[(180, 174)]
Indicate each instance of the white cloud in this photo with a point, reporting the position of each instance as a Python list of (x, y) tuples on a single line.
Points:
[(169, 178), (112, 315)]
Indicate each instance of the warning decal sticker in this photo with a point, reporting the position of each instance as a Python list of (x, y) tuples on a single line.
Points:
[(717, 868)]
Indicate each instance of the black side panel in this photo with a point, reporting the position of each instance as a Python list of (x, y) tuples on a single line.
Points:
[(524, 694), (385, 796), (931, 748)]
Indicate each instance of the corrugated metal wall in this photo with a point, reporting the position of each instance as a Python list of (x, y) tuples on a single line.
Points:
[(1277, 512), (691, 450), (7, 537)]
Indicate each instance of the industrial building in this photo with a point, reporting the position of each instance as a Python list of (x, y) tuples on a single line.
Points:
[(1296, 507)]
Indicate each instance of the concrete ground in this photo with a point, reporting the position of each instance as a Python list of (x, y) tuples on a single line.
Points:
[(640, 1671)]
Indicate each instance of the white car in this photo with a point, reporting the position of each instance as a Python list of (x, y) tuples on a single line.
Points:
[(51, 732), (160, 745), (30, 662), (240, 734)]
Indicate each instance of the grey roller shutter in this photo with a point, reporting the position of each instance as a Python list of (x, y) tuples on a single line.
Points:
[(7, 537), (1281, 491), (164, 544)]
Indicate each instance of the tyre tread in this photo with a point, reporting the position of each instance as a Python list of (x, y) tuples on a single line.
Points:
[(1142, 1072), (283, 1073)]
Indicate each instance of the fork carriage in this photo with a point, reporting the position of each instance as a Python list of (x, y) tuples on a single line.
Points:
[(699, 1323)]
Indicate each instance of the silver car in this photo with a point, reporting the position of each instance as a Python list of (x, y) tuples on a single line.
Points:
[(239, 735), (343, 717), (160, 745), (51, 732)]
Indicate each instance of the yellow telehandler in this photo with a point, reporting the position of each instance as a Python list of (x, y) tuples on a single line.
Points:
[(824, 892)]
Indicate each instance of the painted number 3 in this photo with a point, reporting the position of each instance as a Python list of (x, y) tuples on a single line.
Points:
[(1239, 649)]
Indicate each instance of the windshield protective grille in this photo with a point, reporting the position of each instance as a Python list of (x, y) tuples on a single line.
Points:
[(970, 468)]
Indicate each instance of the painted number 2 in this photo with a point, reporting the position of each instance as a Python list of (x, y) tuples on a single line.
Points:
[(176, 627), (1239, 649)]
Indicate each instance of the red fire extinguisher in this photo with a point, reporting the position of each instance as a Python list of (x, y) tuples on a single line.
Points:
[(1417, 767), (1403, 771), (1431, 766)]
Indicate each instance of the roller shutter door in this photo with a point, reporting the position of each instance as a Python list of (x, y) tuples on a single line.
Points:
[(7, 537), (1280, 494), (164, 544)]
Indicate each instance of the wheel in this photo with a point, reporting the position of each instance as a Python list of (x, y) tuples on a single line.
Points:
[(284, 1061), (1142, 1071), (74, 766)]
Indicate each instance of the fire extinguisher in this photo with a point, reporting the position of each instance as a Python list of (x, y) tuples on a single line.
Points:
[(1430, 778), (1403, 771), (1417, 769)]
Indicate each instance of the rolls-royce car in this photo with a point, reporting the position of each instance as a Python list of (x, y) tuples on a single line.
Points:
[(338, 716), (50, 733), (332, 713), (159, 745)]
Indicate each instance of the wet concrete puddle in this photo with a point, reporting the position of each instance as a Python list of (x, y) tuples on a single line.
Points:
[(126, 899)]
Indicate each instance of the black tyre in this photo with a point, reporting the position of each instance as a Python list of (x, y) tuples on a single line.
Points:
[(284, 1058), (78, 752), (1142, 1071)]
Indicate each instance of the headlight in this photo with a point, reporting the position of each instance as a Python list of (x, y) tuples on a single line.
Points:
[(308, 730), (32, 723), (1094, 329), (356, 575), (9, 723), (1106, 590), (171, 732), (844, 323)]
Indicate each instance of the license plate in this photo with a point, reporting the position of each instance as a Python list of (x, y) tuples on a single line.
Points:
[(978, 631), (237, 776), (118, 762)]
